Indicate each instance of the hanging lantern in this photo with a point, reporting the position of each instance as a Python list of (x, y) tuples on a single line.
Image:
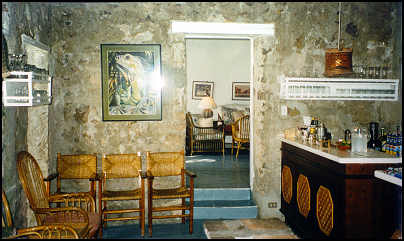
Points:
[(338, 61)]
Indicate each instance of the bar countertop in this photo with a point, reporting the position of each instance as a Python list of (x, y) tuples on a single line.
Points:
[(345, 156)]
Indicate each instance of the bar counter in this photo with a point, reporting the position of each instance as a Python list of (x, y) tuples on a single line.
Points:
[(332, 193), (345, 156)]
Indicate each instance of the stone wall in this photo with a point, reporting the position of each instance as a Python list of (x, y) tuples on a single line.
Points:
[(302, 33), (21, 125)]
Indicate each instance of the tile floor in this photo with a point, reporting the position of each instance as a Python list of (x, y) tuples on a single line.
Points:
[(220, 171)]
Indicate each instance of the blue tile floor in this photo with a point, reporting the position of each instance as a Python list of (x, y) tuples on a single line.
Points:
[(160, 231), (220, 171)]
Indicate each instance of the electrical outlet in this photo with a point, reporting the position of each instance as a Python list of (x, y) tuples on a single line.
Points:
[(284, 110), (272, 205)]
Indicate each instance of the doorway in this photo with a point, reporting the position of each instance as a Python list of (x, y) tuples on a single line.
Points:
[(222, 60)]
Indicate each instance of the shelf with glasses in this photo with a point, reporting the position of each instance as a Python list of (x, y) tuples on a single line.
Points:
[(295, 88), (27, 89)]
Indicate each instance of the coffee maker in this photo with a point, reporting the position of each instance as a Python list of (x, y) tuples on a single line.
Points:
[(374, 141)]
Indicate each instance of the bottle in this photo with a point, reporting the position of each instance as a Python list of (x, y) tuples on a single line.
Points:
[(382, 140), (398, 141), (388, 143)]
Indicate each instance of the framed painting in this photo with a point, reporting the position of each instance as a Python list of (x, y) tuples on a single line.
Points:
[(241, 91), (131, 82), (201, 89)]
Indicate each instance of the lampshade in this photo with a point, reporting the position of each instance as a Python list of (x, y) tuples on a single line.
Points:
[(207, 102)]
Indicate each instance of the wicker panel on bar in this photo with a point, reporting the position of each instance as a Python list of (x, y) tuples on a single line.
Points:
[(287, 187), (128, 167), (325, 210), (203, 139), (163, 164), (303, 195), (77, 211)]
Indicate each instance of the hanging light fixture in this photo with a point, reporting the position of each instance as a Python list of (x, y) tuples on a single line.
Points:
[(338, 62)]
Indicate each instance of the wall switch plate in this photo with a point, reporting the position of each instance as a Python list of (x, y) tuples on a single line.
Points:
[(284, 110), (272, 205)]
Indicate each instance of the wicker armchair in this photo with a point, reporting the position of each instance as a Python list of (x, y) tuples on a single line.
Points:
[(76, 166), (240, 134), (165, 164), (78, 209), (119, 166), (38, 232), (203, 139)]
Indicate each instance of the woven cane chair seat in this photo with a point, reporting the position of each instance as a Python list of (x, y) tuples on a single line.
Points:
[(122, 195), (303, 195), (171, 193), (325, 210)]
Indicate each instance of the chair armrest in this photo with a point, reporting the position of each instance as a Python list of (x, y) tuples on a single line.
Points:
[(190, 174), (73, 199), (51, 177)]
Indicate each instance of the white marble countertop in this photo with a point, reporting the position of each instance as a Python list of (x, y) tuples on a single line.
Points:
[(389, 178), (345, 157)]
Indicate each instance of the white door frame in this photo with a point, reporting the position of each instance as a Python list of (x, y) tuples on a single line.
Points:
[(193, 36), (228, 31)]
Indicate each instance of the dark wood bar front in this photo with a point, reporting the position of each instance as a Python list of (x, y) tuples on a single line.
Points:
[(323, 198)]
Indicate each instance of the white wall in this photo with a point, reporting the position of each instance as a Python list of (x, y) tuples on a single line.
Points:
[(221, 61)]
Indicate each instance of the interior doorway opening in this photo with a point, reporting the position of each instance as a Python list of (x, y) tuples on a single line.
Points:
[(223, 61)]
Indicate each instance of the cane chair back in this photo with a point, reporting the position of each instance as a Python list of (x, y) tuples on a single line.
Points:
[(240, 134), (203, 139), (164, 164), (122, 166), (78, 209), (77, 166)]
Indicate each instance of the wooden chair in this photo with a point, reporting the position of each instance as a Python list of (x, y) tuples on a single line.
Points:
[(165, 164), (78, 209), (240, 134), (203, 139), (38, 232), (120, 166), (76, 166)]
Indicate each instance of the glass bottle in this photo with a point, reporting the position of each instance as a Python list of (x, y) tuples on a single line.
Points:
[(383, 139)]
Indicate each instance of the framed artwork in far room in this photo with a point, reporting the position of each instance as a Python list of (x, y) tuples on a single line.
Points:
[(201, 89), (241, 91)]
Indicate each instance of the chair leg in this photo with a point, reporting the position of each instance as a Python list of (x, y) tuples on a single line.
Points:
[(183, 211), (142, 221), (191, 217), (149, 210), (238, 148)]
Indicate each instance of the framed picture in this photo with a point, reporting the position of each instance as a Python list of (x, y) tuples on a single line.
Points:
[(241, 91), (201, 89), (131, 82)]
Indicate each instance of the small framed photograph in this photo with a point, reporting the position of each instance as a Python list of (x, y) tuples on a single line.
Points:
[(201, 89), (241, 91)]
